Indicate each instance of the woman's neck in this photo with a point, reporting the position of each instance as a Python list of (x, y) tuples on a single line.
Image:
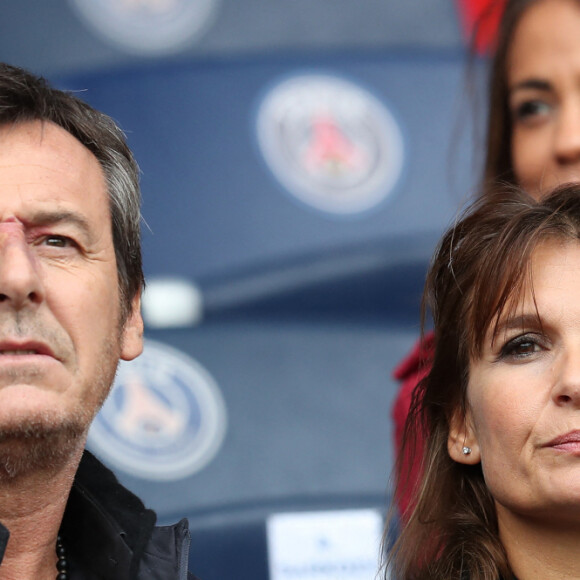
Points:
[(540, 548)]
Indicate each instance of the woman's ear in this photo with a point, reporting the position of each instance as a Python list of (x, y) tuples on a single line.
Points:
[(462, 443)]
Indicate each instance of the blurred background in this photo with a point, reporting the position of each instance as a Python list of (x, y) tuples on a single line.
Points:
[(299, 161)]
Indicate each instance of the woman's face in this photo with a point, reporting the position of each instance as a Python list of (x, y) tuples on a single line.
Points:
[(543, 74), (523, 397)]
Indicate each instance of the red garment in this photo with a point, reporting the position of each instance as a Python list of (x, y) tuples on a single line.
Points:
[(480, 20), (410, 371)]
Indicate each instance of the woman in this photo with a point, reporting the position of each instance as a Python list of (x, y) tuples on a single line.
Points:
[(534, 102), (533, 136), (500, 494)]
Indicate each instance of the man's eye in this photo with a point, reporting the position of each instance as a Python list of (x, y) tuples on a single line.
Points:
[(58, 241)]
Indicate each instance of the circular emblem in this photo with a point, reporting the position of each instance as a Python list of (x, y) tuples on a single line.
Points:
[(147, 26), (330, 142), (164, 419)]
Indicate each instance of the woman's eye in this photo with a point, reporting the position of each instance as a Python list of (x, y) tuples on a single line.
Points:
[(529, 110), (520, 347)]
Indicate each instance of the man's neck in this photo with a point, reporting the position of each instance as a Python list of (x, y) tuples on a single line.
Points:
[(31, 508)]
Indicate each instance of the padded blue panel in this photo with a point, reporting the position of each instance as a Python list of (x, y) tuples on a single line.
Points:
[(234, 550), (308, 406), (51, 38), (303, 357), (211, 203), (306, 313)]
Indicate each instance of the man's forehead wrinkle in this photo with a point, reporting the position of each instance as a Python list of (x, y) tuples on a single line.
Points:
[(59, 215), (48, 217)]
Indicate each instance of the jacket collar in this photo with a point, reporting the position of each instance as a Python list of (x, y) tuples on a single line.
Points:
[(105, 526)]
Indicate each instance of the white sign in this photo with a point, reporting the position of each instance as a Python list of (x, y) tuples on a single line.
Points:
[(333, 545)]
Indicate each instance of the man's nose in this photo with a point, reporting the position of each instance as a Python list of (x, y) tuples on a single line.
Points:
[(20, 282)]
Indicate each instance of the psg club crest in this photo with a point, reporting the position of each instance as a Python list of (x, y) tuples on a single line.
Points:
[(164, 419), (147, 26), (330, 143)]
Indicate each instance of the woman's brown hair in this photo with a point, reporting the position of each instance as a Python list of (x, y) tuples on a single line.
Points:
[(479, 271)]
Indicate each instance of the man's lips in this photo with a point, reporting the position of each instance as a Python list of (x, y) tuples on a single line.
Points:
[(22, 348)]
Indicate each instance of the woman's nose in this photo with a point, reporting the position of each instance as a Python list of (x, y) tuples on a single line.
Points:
[(567, 385), (567, 137)]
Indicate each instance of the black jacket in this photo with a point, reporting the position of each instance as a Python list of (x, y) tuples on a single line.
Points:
[(108, 533)]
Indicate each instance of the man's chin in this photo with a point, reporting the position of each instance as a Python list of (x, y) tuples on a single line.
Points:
[(38, 445)]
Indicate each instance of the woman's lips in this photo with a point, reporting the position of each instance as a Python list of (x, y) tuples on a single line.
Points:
[(567, 442)]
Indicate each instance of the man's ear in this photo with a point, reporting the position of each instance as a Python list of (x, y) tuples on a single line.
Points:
[(462, 444), (132, 333)]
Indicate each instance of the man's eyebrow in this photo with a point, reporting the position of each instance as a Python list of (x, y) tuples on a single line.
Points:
[(43, 218), (534, 84)]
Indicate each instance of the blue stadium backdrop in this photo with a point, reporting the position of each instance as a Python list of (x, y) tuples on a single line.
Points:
[(299, 161)]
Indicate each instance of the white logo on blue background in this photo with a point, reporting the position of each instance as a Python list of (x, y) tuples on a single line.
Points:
[(148, 26), (330, 142), (165, 418)]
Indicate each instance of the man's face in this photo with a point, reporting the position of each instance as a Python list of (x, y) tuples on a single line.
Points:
[(60, 333)]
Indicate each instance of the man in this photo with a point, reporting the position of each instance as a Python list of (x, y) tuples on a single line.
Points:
[(70, 286)]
